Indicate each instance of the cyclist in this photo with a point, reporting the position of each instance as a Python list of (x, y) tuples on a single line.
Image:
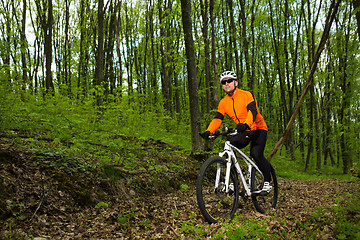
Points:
[(241, 106)]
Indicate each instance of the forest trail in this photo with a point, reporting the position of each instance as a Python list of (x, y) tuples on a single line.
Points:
[(46, 203)]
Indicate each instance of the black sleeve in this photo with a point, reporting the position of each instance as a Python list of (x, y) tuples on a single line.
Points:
[(219, 116), (252, 107)]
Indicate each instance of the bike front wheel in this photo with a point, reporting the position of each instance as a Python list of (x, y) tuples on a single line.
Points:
[(263, 203), (214, 201)]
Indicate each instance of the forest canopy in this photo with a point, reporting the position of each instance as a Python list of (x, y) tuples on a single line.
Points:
[(126, 61)]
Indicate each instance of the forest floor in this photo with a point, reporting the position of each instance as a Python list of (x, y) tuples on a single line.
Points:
[(43, 202)]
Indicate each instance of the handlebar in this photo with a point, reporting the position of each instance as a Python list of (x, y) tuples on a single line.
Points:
[(227, 131)]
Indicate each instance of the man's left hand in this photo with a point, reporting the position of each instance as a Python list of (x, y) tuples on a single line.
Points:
[(242, 127)]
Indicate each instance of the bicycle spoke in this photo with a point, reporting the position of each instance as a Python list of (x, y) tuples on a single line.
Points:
[(263, 203), (216, 204)]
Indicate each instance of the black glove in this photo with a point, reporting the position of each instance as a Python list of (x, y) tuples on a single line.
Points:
[(242, 127), (205, 135)]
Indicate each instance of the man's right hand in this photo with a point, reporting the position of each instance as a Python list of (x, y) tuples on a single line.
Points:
[(205, 135)]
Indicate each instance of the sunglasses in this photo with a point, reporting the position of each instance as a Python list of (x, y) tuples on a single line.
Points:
[(223, 82)]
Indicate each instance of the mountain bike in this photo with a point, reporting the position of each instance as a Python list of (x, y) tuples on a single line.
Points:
[(222, 179)]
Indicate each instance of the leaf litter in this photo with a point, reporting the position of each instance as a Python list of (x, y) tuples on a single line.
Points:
[(39, 202)]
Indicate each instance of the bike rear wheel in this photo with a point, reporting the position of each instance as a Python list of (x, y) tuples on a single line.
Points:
[(214, 203), (269, 201)]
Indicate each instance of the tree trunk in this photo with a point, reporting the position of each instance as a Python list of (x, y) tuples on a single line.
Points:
[(310, 126), (280, 73), (204, 13), (215, 82), (118, 44), (48, 28), (81, 50), (164, 48), (100, 60), (23, 51), (356, 5), (250, 79), (67, 72), (345, 86), (192, 76), (7, 37), (233, 41), (109, 73)]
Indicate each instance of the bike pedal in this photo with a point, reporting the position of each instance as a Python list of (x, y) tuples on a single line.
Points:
[(263, 193)]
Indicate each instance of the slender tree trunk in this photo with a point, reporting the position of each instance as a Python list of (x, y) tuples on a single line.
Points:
[(23, 51), (100, 60), (67, 73), (81, 50), (48, 48), (204, 13), (128, 52), (346, 148), (356, 5), (46, 23), (290, 86), (317, 136), (109, 73), (118, 44), (311, 127), (280, 74), (195, 114), (233, 40), (164, 48), (215, 82), (244, 38), (7, 37)]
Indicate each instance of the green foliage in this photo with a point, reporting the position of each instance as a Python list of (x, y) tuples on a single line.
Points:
[(102, 205), (347, 217), (249, 229), (125, 218), (295, 169), (192, 228), (184, 187)]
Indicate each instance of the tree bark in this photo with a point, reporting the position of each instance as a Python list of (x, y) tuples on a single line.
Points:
[(204, 14), (192, 76), (48, 28), (100, 60), (214, 83), (356, 5), (233, 33), (67, 72), (250, 79), (164, 49), (46, 23), (23, 51), (279, 63), (345, 86), (118, 44)]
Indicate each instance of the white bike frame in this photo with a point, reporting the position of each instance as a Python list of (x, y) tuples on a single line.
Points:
[(229, 153)]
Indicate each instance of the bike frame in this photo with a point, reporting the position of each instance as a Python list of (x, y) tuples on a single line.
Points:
[(229, 152)]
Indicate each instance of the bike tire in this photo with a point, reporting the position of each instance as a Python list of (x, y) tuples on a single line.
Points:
[(214, 204), (264, 203)]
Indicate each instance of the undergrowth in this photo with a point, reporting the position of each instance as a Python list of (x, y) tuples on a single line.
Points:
[(75, 123)]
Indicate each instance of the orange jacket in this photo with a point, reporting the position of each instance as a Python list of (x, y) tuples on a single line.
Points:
[(241, 107)]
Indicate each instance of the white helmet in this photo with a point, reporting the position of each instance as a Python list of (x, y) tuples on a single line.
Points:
[(227, 74)]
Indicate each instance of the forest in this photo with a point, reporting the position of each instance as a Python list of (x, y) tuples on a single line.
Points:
[(102, 102)]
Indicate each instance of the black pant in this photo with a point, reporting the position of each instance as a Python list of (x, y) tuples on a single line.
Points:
[(258, 141)]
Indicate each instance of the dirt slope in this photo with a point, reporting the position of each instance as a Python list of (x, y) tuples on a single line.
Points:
[(45, 203)]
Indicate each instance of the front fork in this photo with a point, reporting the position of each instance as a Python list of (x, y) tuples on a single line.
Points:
[(225, 188)]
